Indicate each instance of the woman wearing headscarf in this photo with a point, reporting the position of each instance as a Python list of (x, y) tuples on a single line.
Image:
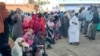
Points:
[(28, 38), (17, 28), (26, 23), (65, 22), (37, 25), (5, 20), (12, 13), (43, 24), (57, 22), (50, 31), (32, 21)]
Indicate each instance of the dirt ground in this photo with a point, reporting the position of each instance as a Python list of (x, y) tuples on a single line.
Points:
[(86, 47)]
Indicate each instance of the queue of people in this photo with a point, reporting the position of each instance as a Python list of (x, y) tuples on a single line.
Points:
[(31, 31)]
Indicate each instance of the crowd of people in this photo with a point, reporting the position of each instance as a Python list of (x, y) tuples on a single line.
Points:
[(28, 34)]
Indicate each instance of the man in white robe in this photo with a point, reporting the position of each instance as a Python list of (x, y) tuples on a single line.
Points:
[(73, 31)]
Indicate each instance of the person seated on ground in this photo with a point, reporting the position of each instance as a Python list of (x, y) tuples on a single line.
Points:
[(28, 38), (38, 44), (38, 39), (18, 47)]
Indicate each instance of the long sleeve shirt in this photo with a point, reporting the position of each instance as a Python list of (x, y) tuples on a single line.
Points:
[(88, 16)]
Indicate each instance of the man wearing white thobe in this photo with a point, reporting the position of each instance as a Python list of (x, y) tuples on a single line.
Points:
[(73, 31)]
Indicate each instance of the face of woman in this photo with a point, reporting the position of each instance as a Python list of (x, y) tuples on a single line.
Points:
[(30, 37)]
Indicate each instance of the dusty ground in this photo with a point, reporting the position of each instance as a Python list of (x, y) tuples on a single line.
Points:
[(86, 48)]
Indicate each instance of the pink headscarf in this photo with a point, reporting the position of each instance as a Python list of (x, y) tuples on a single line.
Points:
[(27, 39)]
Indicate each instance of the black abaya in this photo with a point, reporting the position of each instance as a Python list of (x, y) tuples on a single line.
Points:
[(5, 36)]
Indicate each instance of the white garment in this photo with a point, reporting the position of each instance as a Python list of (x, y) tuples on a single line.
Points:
[(41, 52), (73, 31), (17, 50)]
